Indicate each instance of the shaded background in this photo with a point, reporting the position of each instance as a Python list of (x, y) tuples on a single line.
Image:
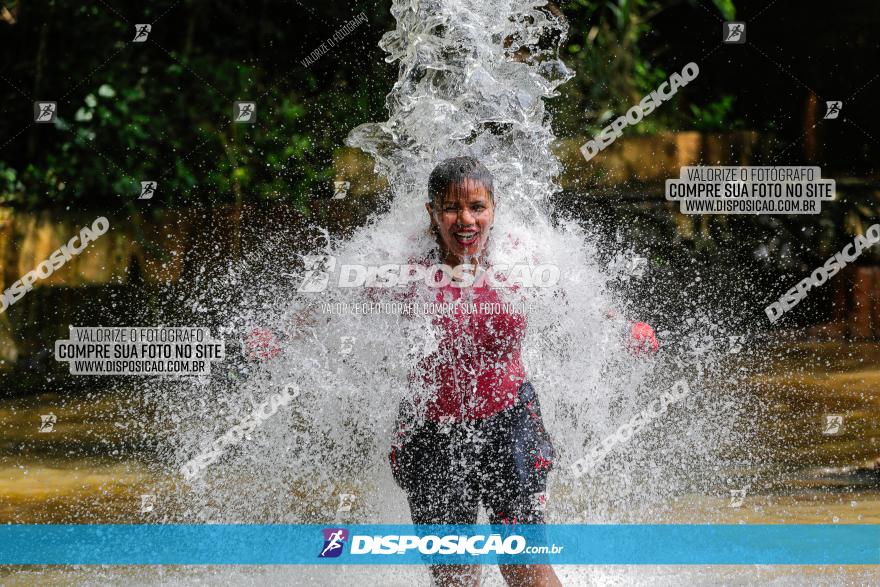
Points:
[(168, 114)]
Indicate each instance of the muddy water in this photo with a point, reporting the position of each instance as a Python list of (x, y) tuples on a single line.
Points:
[(98, 461)]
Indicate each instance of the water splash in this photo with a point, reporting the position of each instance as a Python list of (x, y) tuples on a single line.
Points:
[(473, 76)]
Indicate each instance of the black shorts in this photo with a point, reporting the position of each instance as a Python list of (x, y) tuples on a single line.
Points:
[(501, 461)]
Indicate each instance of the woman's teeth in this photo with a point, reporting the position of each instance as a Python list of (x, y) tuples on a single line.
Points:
[(466, 238)]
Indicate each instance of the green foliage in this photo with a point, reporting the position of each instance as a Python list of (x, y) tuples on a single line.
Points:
[(608, 50), (162, 110), (726, 8), (715, 116), (604, 52), (8, 181)]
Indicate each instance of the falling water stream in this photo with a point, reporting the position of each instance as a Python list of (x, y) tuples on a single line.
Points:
[(473, 76)]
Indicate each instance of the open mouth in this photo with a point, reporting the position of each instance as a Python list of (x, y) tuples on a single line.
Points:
[(466, 239)]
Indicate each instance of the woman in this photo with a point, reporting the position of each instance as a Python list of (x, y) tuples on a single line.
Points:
[(471, 432), (476, 436)]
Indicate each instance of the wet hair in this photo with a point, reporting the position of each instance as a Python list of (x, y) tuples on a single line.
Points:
[(455, 172)]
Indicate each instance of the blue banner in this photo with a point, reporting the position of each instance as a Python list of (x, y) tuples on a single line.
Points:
[(629, 544)]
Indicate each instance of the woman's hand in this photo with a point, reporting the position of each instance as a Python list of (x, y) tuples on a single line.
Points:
[(643, 339)]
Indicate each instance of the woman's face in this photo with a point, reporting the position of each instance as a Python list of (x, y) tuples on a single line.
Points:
[(463, 219)]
